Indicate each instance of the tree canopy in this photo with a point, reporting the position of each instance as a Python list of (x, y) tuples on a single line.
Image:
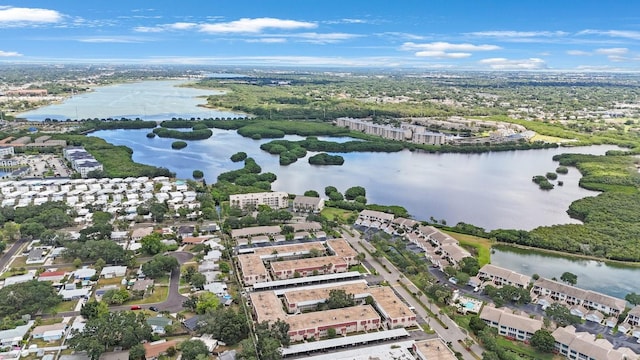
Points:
[(27, 298)]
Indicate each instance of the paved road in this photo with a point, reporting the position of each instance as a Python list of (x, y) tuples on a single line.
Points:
[(453, 333), (7, 256), (174, 300)]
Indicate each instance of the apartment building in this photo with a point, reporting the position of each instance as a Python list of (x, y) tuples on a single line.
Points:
[(500, 276), (341, 247), (275, 200), (571, 295), (585, 346), (289, 269), (307, 204), (509, 324)]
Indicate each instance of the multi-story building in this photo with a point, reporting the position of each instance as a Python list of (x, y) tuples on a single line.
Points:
[(633, 317), (501, 276), (253, 269), (308, 204), (585, 346), (514, 326), (341, 247), (289, 269), (571, 295), (275, 200), (6, 151), (81, 161)]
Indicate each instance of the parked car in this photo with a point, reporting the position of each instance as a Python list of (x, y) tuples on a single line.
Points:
[(136, 307), (153, 308)]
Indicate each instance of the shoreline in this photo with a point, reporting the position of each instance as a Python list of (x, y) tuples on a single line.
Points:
[(572, 256)]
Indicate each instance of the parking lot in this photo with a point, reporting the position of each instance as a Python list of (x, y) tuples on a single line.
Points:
[(44, 166)]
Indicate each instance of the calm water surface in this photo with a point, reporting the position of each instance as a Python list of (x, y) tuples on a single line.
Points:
[(610, 279), (148, 100), (492, 190)]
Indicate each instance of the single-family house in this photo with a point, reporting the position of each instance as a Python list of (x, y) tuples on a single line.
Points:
[(51, 332), (139, 233), (142, 285), (191, 323), (211, 227), (109, 272), (208, 340), (185, 231), (218, 288), (84, 273), (158, 324), (36, 255), (75, 294), (53, 276), (154, 349), (13, 337), (207, 266), (115, 355), (227, 355), (11, 280), (119, 236)]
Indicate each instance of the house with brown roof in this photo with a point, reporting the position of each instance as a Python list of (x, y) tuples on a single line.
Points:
[(53, 276), (154, 349)]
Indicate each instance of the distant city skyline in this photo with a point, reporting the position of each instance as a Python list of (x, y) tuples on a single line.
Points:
[(511, 35)]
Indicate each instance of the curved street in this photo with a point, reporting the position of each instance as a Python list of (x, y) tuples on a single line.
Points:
[(174, 300)]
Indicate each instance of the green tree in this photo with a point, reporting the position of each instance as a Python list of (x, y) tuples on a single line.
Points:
[(476, 324), (339, 298), (561, 315), (569, 278), (206, 302), (633, 298), (469, 265), (225, 324), (124, 328), (152, 244), (331, 333), (159, 265), (198, 280), (93, 309), (77, 262), (543, 341), (27, 298), (192, 348), (116, 296), (137, 352), (158, 211), (354, 192), (311, 193), (330, 189), (10, 231)]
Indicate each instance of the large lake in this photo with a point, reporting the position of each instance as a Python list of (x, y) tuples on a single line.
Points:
[(492, 190), (148, 100)]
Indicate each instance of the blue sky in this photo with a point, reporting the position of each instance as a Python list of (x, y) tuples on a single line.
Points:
[(582, 35)]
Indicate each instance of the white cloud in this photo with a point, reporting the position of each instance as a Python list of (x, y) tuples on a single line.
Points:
[(518, 34), (267, 40), (10, 14), (9, 54), (628, 34), (445, 50), (401, 35), (442, 55), (612, 51), (578, 53), (445, 46), (165, 27), (514, 64), (256, 25), (323, 38), (111, 39)]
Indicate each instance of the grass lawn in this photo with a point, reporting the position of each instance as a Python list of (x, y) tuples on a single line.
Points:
[(20, 261), (50, 321), (9, 274), (359, 268), (160, 294), (330, 213), (547, 138), (523, 349), (64, 306), (482, 246), (113, 281)]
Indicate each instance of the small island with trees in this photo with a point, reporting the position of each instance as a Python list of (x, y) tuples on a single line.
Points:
[(326, 159), (177, 145)]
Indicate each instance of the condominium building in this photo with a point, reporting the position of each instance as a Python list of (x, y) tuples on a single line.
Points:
[(275, 200), (585, 346), (500, 276), (571, 295), (509, 324)]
